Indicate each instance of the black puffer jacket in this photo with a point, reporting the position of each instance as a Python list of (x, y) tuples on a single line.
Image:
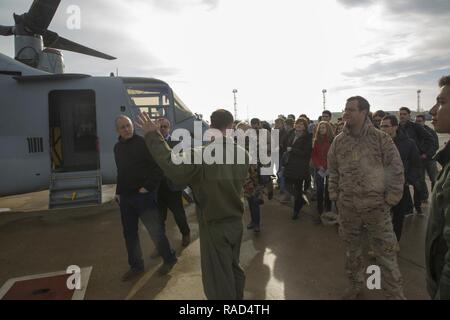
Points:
[(410, 157), (422, 138), (297, 165)]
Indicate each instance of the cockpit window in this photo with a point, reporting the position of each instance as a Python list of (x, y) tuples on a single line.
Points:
[(153, 100), (181, 111)]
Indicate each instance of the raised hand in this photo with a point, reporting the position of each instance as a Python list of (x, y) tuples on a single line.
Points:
[(144, 122)]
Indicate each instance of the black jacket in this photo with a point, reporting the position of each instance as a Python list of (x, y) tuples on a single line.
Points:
[(421, 137), (282, 140), (410, 157), (136, 168), (297, 166)]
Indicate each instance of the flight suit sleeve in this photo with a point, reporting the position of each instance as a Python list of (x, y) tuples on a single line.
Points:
[(394, 177), (333, 180), (444, 282), (183, 173)]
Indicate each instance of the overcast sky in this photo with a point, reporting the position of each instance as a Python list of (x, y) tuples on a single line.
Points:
[(278, 54)]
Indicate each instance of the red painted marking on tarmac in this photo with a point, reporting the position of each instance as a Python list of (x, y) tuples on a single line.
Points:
[(48, 288)]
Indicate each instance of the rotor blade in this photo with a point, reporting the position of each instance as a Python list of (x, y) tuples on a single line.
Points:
[(52, 40), (40, 15), (6, 31)]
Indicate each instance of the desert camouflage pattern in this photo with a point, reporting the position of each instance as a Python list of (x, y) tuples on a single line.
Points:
[(366, 180)]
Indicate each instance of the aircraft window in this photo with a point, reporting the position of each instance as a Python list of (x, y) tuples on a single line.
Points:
[(155, 113), (181, 111), (151, 100)]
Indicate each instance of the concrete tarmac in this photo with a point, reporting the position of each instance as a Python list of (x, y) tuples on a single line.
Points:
[(287, 260)]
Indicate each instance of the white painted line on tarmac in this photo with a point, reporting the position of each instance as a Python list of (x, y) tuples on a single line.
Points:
[(78, 294)]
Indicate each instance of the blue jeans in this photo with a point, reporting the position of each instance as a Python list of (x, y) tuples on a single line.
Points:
[(255, 214), (143, 206), (281, 180)]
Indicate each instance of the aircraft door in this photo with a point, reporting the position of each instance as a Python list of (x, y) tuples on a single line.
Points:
[(73, 131)]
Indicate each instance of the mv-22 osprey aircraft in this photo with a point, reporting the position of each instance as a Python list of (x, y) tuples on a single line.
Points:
[(57, 130)]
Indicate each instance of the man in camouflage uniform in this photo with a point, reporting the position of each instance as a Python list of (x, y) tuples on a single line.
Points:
[(366, 179)]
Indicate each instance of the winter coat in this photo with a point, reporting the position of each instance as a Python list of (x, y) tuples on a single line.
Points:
[(298, 158)]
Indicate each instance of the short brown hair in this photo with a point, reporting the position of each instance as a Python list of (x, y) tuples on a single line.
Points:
[(421, 116), (405, 109), (444, 81), (220, 119), (393, 119), (363, 104), (303, 121)]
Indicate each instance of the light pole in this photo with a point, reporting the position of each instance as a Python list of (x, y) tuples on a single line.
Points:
[(324, 92), (235, 103), (418, 101)]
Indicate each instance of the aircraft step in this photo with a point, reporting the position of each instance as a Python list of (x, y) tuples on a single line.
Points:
[(75, 189), (73, 204), (66, 189)]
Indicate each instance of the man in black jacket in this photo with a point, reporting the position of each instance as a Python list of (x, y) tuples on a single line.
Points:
[(170, 195), (411, 163), (138, 178), (429, 165), (425, 144)]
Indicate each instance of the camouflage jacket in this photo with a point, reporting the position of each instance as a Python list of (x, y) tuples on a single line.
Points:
[(252, 187), (366, 172)]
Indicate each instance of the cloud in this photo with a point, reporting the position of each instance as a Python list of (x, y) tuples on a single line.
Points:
[(177, 5), (356, 3), (109, 30), (410, 48), (404, 7), (400, 67)]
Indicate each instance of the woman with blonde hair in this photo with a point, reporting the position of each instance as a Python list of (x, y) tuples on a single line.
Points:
[(321, 144)]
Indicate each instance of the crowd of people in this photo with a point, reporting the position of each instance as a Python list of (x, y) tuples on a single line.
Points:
[(303, 172), (364, 164)]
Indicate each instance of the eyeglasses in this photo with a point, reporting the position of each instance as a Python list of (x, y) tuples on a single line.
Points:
[(164, 126)]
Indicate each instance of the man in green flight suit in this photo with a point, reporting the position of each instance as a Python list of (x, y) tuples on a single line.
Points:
[(437, 242), (217, 189)]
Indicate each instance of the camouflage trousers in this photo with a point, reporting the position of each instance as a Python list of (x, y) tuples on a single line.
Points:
[(382, 240)]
